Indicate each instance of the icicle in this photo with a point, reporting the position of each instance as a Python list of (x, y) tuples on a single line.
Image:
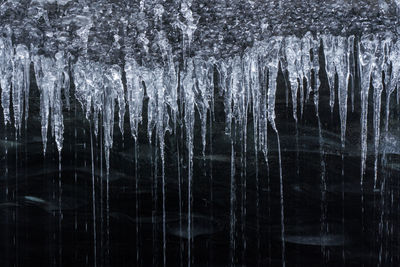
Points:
[(238, 94), (329, 52), (151, 105), (341, 60), (82, 77), (292, 47), (134, 95), (378, 88), (203, 94), (20, 84), (272, 61), (251, 80), (315, 64), (66, 83), (6, 71), (352, 68), (113, 89), (171, 85), (306, 63), (394, 56), (226, 90), (367, 48), (57, 102), (45, 79), (118, 90)]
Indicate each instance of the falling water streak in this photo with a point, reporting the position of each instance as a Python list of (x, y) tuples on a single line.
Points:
[(137, 204), (381, 231), (343, 209), (16, 210), (232, 206), (163, 206), (101, 195), (243, 159), (323, 191), (6, 183), (60, 215), (179, 196), (75, 177), (108, 213), (211, 178), (93, 199), (155, 200), (189, 223), (297, 150), (282, 204)]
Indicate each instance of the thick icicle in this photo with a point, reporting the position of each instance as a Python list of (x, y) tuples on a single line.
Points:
[(57, 102), (203, 93), (341, 61), (394, 56), (367, 48), (272, 61), (45, 79), (292, 47), (315, 63), (113, 90), (378, 67), (6, 71), (134, 95), (20, 84)]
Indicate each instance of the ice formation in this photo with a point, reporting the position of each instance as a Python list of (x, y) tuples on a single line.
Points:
[(242, 81), (175, 58)]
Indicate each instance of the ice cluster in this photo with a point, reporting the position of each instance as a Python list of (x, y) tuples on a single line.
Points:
[(113, 58)]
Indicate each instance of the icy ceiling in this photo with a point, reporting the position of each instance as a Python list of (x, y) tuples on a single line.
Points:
[(108, 30)]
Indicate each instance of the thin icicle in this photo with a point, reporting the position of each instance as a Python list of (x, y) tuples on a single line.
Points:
[(306, 63), (367, 48), (315, 63), (329, 52), (394, 56), (352, 68)]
